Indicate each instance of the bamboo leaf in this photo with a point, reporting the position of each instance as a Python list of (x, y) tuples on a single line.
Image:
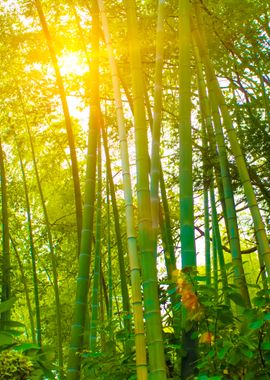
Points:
[(5, 339), (265, 345), (256, 324), (7, 305), (237, 299)]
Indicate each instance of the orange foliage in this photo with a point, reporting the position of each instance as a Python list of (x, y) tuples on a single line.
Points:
[(206, 337), (189, 298)]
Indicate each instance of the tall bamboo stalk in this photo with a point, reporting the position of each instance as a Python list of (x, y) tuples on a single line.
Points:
[(231, 217), (71, 140), (155, 157), (229, 201), (264, 248), (149, 270), (97, 262), (217, 241), (141, 362), (78, 322), (26, 292), (5, 259), (188, 254), (32, 252), (120, 250), (109, 259), (52, 255)]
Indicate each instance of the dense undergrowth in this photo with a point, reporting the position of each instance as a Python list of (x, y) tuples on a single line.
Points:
[(233, 342)]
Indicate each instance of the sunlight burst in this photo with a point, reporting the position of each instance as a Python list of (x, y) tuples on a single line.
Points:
[(72, 63)]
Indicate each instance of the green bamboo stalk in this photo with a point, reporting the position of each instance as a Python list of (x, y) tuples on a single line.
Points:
[(141, 363), (207, 235), (209, 136), (68, 123), (188, 253), (32, 251), (26, 292), (78, 322), (109, 259), (163, 205), (104, 295), (149, 270), (218, 242), (185, 180), (5, 260), (97, 262), (229, 201), (239, 274), (206, 155), (261, 236), (214, 260), (120, 251), (124, 288), (52, 254), (155, 157)]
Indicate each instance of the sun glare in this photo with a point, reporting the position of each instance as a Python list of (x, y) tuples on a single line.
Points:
[(72, 63)]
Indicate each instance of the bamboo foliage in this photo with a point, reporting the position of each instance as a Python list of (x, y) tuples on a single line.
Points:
[(148, 88)]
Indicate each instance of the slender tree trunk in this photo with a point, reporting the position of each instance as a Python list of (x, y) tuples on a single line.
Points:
[(52, 256), (188, 254), (77, 329), (5, 259), (26, 291), (155, 158), (109, 259), (97, 262), (141, 362), (120, 251), (230, 215), (264, 249), (149, 271), (32, 253), (71, 140)]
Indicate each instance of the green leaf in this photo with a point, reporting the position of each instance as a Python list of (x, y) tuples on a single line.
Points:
[(224, 350), (27, 346), (234, 357), (267, 317), (237, 299), (6, 305), (256, 324), (259, 301), (5, 338), (12, 324), (211, 354), (203, 377), (171, 291), (249, 354), (265, 345)]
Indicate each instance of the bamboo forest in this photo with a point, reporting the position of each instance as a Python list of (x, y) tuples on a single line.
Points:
[(135, 193)]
